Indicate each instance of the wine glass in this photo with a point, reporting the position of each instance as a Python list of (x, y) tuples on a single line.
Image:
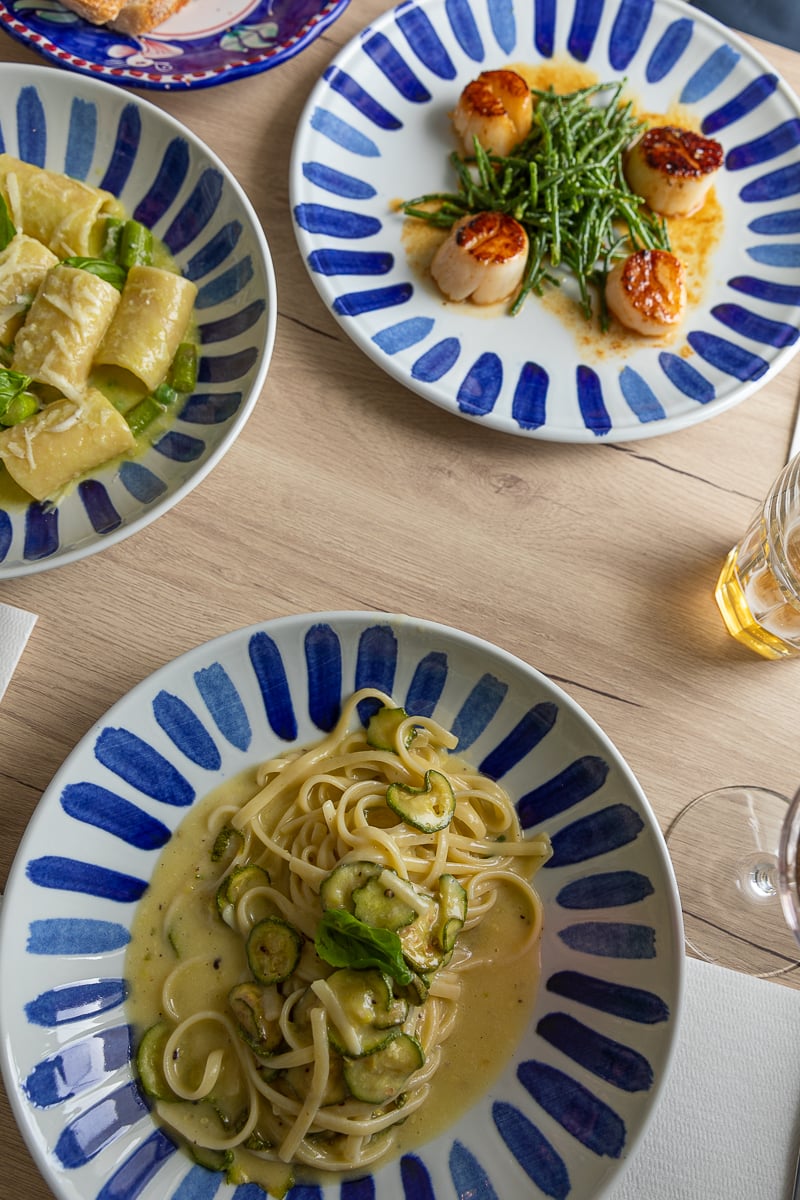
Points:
[(734, 851)]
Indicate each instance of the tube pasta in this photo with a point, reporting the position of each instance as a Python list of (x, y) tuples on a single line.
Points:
[(23, 265), (150, 323), (335, 1056), (63, 213), (62, 242), (64, 440), (64, 328)]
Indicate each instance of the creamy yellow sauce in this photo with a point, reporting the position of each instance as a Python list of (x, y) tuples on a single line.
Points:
[(693, 240), (178, 913)]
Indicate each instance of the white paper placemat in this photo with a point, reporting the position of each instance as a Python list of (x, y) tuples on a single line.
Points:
[(15, 629), (728, 1123)]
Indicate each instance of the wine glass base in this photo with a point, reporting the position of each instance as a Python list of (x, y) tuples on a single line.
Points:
[(724, 850)]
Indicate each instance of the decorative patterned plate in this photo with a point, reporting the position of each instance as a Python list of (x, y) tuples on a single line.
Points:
[(208, 42), (376, 130), (169, 179), (566, 1112)]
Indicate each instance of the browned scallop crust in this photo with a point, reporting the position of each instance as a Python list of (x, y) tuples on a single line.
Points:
[(647, 292), (680, 152), (483, 95), (492, 237)]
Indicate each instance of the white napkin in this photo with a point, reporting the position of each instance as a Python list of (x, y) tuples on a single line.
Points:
[(727, 1126), (15, 629)]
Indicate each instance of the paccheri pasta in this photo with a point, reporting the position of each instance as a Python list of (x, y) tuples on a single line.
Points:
[(297, 987), (89, 304)]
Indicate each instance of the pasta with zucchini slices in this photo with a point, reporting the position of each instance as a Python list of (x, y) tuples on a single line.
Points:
[(297, 988), (94, 329)]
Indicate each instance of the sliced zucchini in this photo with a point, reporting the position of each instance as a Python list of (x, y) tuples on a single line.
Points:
[(273, 950), (150, 1061), (420, 950), (380, 1077), (416, 992), (452, 912), (212, 1160), (299, 1079), (336, 890), (428, 808), (368, 1006), (383, 725), (234, 885), (275, 1178), (247, 1005), (377, 904), (227, 841)]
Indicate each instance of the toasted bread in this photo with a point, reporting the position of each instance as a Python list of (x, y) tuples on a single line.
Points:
[(126, 16), (95, 11), (140, 16)]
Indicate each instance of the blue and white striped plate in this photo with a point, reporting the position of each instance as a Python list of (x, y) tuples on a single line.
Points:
[(566, 1112), (170, 180), (206, 43), (376, 130)]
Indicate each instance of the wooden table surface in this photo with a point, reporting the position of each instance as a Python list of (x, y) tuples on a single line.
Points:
[(596, 564)]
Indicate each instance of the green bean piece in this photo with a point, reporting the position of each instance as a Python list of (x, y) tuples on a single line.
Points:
[(135, 245), (183, 371), (143, 414), (23, 405), (165, 395), (151, 407), (8, 229), (112, 236), (565, 184)]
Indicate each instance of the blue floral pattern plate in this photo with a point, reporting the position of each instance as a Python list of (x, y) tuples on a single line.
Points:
[(376, 130), (205, 43), (567, 1110), (170, 180)]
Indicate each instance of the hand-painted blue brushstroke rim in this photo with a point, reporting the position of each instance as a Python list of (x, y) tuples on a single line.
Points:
[(573, 1103), (376, 129), (169, 179), (204, 61)]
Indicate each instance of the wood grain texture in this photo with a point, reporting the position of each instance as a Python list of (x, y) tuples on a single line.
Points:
[(595, 564)]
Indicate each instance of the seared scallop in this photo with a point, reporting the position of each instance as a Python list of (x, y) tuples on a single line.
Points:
[(483, 258), (497, 109), (646, 292), (672, 169)]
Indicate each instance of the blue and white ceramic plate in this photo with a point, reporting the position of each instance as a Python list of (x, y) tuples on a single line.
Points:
[(206, 43), (376, 130), (170, 180), (569, 1108)]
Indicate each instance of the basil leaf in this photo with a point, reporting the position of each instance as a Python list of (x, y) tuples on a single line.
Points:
[(111, 272), (12, 383), (7, 228), (344, 941)]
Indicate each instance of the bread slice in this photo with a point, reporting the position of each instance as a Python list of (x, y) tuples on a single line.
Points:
[(97, 12), (125, 16), (140, 16)]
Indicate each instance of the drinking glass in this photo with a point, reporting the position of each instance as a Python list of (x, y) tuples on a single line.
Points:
[(758, 591), (734, 851)]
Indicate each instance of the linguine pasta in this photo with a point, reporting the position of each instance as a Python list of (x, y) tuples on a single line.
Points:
[(316, 958)]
